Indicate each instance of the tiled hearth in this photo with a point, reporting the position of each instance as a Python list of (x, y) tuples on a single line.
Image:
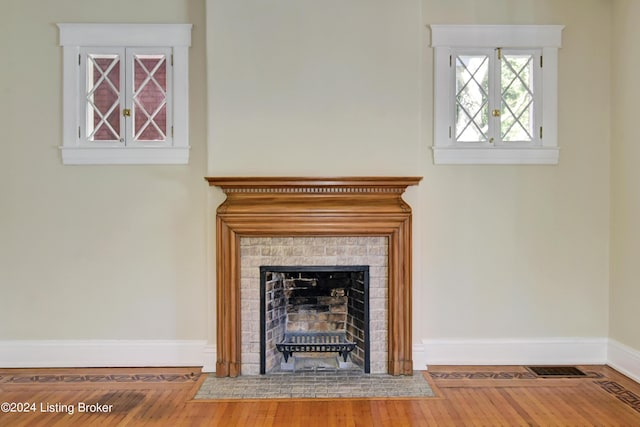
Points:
[(312, 251), (313, 221)]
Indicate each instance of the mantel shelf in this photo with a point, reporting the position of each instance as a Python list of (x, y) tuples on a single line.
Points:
[(313, 184)]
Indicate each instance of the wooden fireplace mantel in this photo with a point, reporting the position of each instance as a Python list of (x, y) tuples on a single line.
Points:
[(312, 206)]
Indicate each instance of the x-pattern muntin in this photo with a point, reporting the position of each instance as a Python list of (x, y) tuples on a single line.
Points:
[(103, 77), (150, 117), (486, 96), (517, 76)]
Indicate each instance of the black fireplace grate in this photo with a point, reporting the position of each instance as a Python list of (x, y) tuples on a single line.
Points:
[(296, 342)]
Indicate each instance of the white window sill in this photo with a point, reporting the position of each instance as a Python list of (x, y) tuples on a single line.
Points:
[(125, 156), (495, 156)]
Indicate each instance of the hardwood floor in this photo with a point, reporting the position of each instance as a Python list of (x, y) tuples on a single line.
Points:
[(465, 396)]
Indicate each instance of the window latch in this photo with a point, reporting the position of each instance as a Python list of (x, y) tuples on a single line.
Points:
[(126, 112)]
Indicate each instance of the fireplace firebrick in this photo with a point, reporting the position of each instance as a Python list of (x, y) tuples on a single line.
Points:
[(314, 309)]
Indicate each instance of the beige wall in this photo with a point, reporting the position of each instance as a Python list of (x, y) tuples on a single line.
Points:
[(314, 88), (345, 88), (625, 175), (522, 251), (94, 252)]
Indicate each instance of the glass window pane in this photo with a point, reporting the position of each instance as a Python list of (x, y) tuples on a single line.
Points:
[(472, 98), (517, 115), (150, 97), (103, 97)]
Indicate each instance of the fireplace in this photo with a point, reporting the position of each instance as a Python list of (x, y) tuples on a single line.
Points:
[(314, 312), (312, 252), (316, 209)]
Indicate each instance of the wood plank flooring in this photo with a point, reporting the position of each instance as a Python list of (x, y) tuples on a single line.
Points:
[(465, 396)]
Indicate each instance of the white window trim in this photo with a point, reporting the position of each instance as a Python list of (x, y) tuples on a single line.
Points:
[(444, 38), (73, 37)]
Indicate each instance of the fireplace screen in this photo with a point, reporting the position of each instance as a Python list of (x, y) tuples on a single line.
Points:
[(314, 317)]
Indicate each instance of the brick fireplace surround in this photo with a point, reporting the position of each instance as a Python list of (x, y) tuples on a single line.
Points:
[(312, 207)]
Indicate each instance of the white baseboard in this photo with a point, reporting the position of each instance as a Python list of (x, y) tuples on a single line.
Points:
[(128, 353), (209, 364), (419, 357), (105, 353), (542, 351), (624, 359)]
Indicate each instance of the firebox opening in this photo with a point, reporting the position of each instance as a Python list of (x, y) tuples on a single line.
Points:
[(314, 317)]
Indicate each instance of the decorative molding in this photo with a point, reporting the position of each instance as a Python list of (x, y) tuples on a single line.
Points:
[(261, 207), (81, 34), (479, 374), (511, 36), (495, 156), (394, 185), (315, 190), (542, 351), (419, 357), (209, 363), (624, 359), (103, 353), (127, 353), (623, 394), (125, 156), (27, 377)]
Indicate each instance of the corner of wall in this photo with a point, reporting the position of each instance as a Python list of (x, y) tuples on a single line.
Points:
[(624, 359)]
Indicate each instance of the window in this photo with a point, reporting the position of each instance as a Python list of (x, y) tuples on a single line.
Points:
[(495, 94), (125, 93)]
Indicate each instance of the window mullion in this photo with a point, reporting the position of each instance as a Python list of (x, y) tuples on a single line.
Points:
[(495, 100), (128, 97), (123, 92), (537, 96), (452, 95)]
